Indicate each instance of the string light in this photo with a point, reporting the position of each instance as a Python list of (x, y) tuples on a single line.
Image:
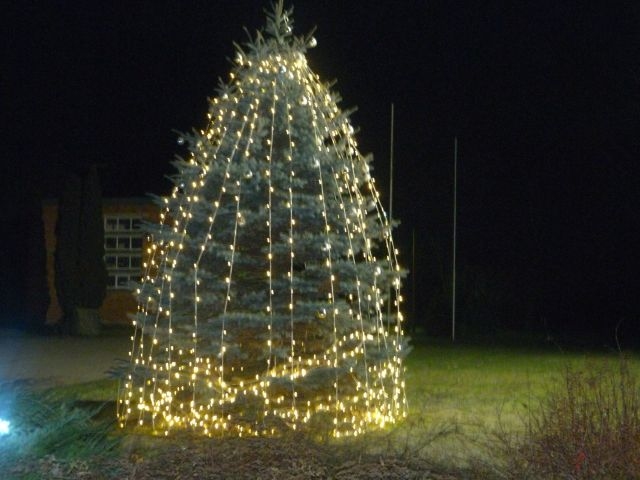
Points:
[(261, 307)]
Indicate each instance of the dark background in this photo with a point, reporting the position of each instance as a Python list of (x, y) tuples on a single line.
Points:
[(543, 96)]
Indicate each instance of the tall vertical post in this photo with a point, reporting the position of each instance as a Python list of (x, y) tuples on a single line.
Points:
[(391, 169), (390, 204), (455, 224), (413, 278)]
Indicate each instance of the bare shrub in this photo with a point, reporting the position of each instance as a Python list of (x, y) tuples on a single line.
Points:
[(587, 428)]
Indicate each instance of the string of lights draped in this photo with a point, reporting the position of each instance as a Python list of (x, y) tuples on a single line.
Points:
[(261, 307)]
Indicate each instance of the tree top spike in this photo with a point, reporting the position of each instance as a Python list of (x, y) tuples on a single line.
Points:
[(279, 21)]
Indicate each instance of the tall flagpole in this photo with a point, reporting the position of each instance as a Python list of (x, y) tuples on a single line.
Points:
[(390, 205), (413, 278), (391, 170), (455, 217)]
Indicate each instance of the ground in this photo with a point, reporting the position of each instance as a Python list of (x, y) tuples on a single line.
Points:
[(268, 458), (233, 458), (58, 360), (63, 360), (476, 411)]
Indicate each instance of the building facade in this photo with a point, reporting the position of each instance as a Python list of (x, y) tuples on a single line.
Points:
[(125, 246)]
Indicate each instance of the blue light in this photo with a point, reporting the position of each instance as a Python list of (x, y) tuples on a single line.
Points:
[(4, 426)]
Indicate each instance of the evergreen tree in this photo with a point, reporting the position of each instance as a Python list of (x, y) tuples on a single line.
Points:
[(263, 306), (37, 292), (93, 288), (67, 276), (81, 275)]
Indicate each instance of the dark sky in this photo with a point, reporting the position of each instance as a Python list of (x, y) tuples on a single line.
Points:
[(544, 97)]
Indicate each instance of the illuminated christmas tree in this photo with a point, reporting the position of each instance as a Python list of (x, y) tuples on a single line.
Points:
[(264, 303)]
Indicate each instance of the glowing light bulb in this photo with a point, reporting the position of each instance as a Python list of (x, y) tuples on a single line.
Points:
[(5, 426)]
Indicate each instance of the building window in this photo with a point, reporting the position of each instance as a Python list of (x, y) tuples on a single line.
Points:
[(123, 250)]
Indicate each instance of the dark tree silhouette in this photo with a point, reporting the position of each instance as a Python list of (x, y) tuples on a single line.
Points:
[(81, 275)]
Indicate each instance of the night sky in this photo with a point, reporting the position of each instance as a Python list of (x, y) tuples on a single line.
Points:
[(543, 96)]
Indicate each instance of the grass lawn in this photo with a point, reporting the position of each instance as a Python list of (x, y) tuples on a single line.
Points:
[(470, 392), (459, 396)]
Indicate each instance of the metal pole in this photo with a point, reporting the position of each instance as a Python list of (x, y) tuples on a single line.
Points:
[(390, 207), (455, 210), (391, 170), (413, 279)]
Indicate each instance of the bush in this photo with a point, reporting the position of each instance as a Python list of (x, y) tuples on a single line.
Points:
[(588, 428), (44, 426)]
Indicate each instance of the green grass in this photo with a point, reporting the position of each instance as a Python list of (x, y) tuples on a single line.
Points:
[(472, 392), (459, 396), (471, 384), (97, 391)]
